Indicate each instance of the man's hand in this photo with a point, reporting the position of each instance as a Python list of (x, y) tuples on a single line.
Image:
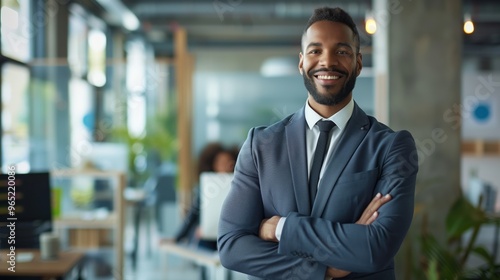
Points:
[(267, 229), (371, 211), (368, 217), (333, 273)]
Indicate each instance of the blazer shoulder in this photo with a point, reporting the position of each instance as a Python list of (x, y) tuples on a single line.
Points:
[(386, 134), (264, 132), (377, 126)]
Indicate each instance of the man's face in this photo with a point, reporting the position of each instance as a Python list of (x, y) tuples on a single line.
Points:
[(329, 63)]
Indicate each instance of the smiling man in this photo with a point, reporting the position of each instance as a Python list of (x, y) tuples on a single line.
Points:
[(327, 192)]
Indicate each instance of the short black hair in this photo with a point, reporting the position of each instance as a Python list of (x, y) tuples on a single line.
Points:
[(335, 15)]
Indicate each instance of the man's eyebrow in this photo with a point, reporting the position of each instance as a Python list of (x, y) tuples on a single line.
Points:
[(313, 44), (340, 44), (343, 44)]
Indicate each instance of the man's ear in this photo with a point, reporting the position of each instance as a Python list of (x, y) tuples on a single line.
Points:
[(359, 63), (301, 61)]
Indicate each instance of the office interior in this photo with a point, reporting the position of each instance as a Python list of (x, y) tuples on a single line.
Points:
[(115, 99)]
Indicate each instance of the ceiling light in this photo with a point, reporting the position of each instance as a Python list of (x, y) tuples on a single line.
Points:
[(130, 21), (118, 13), (370, 24), (468, 24)]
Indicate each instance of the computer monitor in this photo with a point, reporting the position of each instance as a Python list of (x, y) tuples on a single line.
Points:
[(214, 188), (31, 210)]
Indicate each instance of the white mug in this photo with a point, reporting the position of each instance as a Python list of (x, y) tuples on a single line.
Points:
[(49, 246)]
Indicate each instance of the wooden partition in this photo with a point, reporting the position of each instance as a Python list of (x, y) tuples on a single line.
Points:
[(183, 78)]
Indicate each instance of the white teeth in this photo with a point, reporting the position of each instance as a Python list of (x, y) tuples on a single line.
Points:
[(325, 77)]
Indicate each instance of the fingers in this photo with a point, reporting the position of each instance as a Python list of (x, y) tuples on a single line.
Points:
[(378, 201), (267, 229), (371, 211), (372, 218), (334, 273), (262, 229)]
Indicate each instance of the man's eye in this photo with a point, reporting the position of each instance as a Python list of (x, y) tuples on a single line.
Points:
[(314, 51), (343, 52)]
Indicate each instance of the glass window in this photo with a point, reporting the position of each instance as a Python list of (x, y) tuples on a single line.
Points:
[(97, 58), (136, 86), (15, 117), (16, 29), (81, 120), (77, 42)]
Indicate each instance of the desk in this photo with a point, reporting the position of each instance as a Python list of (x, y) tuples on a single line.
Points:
[(37, 267), (200, 257)]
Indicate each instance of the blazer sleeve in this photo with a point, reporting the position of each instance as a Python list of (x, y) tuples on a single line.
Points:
[(240, 247), (362, 248)]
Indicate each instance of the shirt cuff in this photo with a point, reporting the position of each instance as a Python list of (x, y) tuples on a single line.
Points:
[(279, 228)]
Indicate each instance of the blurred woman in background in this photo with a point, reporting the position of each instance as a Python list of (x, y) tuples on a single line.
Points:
[(213, 158)]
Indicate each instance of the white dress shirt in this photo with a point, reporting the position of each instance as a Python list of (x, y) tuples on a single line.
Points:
[(312, 134)]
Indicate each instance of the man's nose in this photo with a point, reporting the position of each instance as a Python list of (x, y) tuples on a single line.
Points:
[(328, 59)]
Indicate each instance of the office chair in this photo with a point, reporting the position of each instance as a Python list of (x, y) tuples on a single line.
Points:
[(158, 189)]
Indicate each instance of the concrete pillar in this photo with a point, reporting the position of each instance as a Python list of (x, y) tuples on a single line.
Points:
[(421, 42)]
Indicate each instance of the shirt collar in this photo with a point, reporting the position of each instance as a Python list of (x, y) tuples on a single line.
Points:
[(340, 118)]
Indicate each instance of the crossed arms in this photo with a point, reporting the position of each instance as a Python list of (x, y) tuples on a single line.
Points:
[(313, 247), (267, 229)]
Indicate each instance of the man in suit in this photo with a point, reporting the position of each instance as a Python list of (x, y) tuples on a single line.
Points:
[(275, 224)]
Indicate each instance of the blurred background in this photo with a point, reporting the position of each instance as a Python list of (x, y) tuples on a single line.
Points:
[(115, 100)]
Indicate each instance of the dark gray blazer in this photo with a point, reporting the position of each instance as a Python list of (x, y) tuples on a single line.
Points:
[(271, 179)]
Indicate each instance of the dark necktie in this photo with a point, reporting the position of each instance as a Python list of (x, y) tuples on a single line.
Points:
[(319, 156)]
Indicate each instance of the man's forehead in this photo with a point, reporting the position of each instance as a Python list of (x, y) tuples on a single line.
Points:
[(325, 27)]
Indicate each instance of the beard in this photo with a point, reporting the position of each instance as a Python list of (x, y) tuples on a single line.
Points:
[(329, 98)]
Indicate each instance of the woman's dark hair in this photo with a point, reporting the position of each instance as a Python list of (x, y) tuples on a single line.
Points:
[(210, 152)]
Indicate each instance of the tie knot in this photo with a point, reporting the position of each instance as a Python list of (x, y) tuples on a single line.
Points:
[(325, 126)]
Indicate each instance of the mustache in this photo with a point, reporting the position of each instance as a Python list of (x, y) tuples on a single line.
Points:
[(333, 69)]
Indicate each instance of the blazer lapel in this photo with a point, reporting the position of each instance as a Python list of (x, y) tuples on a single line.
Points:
[(296, 147), (354, 133)]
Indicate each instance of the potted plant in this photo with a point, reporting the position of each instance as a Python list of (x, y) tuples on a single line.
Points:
[(449, 261)]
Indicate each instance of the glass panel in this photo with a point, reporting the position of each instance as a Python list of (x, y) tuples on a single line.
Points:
[(16, 31), (77, 42), (81, 120), (15, 117), (136, 86), (97, 58)]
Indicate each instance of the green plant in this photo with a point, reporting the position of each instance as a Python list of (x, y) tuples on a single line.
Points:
[(158, 138), (449, 261)]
